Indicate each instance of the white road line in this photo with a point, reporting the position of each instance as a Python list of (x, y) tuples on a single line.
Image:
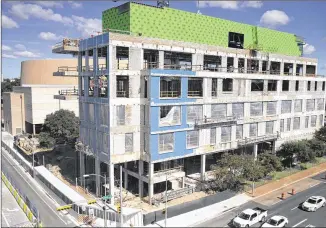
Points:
[(35, 191), (276, 202), (294, 208), (4, 217), (315, 184), (300, 223)]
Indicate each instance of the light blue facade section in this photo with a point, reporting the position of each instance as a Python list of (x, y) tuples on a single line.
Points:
[(180, 142), (93, 42)]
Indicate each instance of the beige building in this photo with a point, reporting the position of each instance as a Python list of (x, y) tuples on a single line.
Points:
[(39, 89)]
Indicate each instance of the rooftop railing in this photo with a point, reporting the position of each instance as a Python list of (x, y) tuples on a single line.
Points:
[(257, 139), (205, 122), (69, 92), (66, 42)]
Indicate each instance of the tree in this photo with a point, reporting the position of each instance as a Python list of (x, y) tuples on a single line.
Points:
[(7, 84), (62, 125), (46, 141), (321, 134), (270, 162), (318, 146)]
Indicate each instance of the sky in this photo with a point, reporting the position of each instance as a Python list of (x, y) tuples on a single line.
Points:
[(30, 28)]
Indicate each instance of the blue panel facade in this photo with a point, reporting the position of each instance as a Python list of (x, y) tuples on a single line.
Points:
[(155, 101), (93, 42)]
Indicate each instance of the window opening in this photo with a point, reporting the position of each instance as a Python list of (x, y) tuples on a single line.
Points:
[(236, 40), (272, 85), (257, 85), (123, 86), (227, 85), (195, 87), (170, 87)]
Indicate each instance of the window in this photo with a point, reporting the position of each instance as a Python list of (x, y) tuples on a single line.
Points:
[(321, 120), (297, 83), (239, 131), (296, 123), (192, 139), (236, 40), (253, 130), (320, 104), (218, 111), (91, 112), (166, 142), (256, 109), (307, 122), (282, 125), (194, 112), (227, 85), (121, 110), (145, 142), (310, 105), (237, 110), (195, 87), (214, 87), (323, 87), (316, 86), (170, 87), (257, 85), (91, 85), (269, 127), (298, 105), (129, 142), (271, 108), (288, 124), (103, 86), (272, 85), (286, 107), (285, 85), (313, 121), (308, 85), (123, 86), (82, 86), (145, 88), (213, 136), (170, 115), (225, 134), (104, 120)]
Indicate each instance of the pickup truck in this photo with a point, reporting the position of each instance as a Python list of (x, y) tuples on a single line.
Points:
[(250, 217)]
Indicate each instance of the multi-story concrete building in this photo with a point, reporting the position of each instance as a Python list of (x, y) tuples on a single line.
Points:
[(180, 89)]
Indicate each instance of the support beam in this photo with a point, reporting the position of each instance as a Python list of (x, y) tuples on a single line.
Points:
[(255, 152), (140, 181), (161, 59), (126, 176), (111, 182), (274, 147), (203, 167), (34, 130), (150, 182), (81, 165)]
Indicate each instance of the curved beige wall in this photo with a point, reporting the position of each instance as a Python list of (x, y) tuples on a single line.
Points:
[(36, 72)]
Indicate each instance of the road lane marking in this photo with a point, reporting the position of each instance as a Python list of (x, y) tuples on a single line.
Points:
[(314, 185), (33, 189), (276, 202), (4, 217), (300, 223), (294, 208)]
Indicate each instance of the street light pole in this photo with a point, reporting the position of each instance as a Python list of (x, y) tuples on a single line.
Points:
[(166, 200), (121, 217)]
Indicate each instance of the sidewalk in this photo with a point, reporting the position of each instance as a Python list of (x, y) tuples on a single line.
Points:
[(192, 218)]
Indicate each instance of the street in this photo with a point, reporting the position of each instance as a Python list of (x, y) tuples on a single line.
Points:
[(288, 208), (45, 206)]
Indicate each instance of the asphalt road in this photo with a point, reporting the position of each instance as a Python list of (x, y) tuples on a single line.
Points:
[(288, 208), (46, 207)]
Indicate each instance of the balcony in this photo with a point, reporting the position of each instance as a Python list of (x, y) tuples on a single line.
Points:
[(66, 46), (66, 71), (258, 139), (214, 122), (67, 94), (100, 67)]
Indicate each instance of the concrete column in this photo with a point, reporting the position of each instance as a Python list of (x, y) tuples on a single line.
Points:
[(97, 177), (224, 63), (34, 131), (161, 59), (140, 180), (282, 68), (255, 152), (111, 182), (260, 65), (274, 146), (81, 165), (304, 70), (203, 167), (294, 73), (150, 182), (87, 60), (183, 182), (245, 65), (126, 176), (235, 64)]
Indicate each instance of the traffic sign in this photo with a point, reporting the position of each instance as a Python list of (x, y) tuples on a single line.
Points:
[(106, 197)]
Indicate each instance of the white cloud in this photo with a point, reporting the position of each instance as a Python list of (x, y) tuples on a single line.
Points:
[(75, 5), (24, 11), (308, 49), (87, 26), (273, 18), (49, 36), (9, 56), (233, 5), (20, 47), (252, 4), (8, 22), (6, 48), (27, 54), (49, 4)]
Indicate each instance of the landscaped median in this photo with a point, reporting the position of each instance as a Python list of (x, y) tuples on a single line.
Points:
[(297, 175), (21, 202)]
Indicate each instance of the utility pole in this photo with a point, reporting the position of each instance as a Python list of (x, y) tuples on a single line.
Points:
[(33, 162), (166, 199), (121, 216)]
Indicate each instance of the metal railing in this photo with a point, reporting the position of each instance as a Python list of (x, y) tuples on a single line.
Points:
[(123, 66), (211, 120), (257, 139), (91, 68), (170, 94), (195, 93), (66, 68), (69, 92), (122, 94), (66, 42), (151, 65)]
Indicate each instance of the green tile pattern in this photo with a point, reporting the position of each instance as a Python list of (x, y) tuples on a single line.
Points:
[(173, 24)]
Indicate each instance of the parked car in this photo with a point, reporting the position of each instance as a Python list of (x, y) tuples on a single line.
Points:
[(313, 203), (250, 217), (276, 221)]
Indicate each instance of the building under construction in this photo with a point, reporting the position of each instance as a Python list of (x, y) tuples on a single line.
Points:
[(175, 90)]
